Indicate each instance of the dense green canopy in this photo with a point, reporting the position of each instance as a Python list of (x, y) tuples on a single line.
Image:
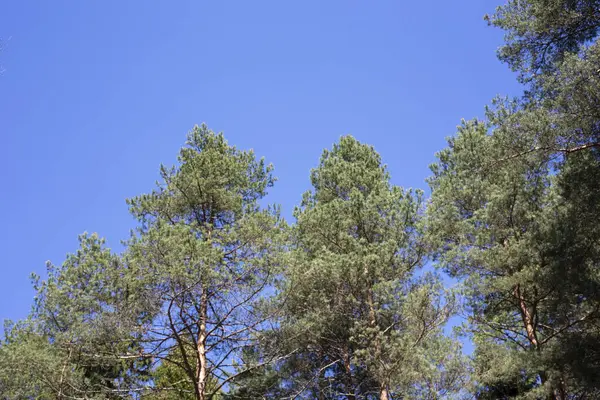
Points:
[(359, 323), (515, 211), (215, 296)]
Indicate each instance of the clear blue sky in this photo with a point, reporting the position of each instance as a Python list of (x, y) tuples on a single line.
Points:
[(96, 94)]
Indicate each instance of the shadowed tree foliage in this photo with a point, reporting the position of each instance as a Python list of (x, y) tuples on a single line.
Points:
[(515, 213), (515, 208)]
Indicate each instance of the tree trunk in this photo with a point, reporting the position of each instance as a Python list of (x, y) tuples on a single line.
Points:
[(201, 374), (320, 395), (527, 317), (383, 390), (349, 381), (383, 393)]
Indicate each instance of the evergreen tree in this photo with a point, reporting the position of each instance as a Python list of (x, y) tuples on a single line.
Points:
[(82, 338), (358, 323), (515, 210), (540, 32), (206, 253)]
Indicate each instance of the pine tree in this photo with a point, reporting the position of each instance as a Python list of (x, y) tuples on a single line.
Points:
[(206, 254), (515, 209), (359, 324), (82, 338), (540, 32), (515, 216)]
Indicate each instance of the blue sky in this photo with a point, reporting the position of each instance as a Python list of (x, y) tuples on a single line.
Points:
[(96, 94)]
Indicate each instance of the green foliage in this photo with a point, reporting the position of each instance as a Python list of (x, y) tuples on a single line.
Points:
[(540, 32), (514, 212), (172, 383), (206, 254), (216, 298), (82, 334), (355, 321)]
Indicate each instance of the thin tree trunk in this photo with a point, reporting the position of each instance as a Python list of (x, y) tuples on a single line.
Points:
[(62, 374), (201, 374), (320, 394), (527, 317), (560, 393), (349, 380), (201, 369), (383, 390), (383, 393)]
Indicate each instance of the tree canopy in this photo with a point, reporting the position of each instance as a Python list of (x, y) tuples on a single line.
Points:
[(216, 296)]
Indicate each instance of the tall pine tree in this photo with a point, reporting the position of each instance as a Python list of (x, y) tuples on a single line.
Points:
[(359, 323), (206, 253), (515, 209)]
